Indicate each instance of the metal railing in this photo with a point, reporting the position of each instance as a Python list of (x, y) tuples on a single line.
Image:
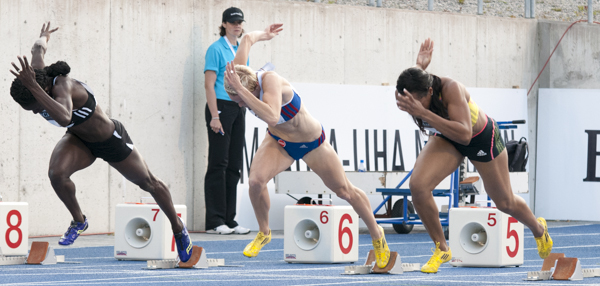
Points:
[(529, 8)]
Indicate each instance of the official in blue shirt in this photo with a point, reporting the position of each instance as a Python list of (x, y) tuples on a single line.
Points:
[(225, 121)]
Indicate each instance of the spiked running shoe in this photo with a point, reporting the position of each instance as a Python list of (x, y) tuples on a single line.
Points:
[(436, 259), (257, 244), (184, 244), (544, 242), (75, 229), (382, 252)]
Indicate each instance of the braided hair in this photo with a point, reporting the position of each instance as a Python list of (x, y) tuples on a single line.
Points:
[(43, 77), (417, 82)]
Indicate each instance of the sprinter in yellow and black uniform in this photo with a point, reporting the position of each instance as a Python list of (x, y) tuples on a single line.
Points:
[(460, 128)]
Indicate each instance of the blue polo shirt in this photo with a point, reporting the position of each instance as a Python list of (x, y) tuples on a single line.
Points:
[(216, 59)]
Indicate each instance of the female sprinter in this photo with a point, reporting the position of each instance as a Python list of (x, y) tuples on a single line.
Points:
[(293, 134), (460, 128), (67, 102)]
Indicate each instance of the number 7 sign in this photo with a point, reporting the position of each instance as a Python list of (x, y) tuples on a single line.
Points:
[(14, 228)]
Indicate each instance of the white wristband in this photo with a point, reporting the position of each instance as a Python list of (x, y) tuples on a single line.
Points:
[(215, 118)]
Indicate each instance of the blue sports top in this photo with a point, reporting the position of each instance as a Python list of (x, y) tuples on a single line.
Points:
[(79, 115), (288, 109), (216, 59)]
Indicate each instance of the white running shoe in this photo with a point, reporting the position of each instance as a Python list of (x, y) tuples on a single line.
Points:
[(240, 230), (222, 229)]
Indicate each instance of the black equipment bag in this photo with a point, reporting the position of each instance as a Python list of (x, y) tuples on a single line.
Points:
[(518, 153)]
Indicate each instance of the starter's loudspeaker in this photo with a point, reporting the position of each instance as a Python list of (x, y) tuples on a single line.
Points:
[(143, 232)]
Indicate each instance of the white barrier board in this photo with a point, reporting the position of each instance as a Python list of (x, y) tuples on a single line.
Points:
[(568, 175)]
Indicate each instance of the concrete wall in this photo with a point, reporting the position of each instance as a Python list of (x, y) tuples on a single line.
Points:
[(145, 60)]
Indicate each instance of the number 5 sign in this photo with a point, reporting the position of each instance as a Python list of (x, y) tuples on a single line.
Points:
[(485, 237), (14, 228)]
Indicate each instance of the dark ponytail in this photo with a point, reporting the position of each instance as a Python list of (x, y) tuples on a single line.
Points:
[(437, 105), (417, 82), (57, 68)]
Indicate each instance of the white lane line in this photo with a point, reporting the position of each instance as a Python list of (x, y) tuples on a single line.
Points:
[(564, 226), (283, 276), (568, 234), (567, 247), (445, 282)]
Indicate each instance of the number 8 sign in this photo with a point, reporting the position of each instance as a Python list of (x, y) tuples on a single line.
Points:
[(14, 228)]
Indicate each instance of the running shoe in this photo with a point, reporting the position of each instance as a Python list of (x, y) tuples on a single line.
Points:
[(544, 242), (222, 229), (240, 230), (436, 259), (255, 246), (382, 251), (75, 229), (184, 244)]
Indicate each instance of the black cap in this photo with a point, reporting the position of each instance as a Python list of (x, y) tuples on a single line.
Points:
[(233, 14)]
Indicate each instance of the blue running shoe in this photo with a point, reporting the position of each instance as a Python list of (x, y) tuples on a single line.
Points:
[(73, 232), (184, 244)]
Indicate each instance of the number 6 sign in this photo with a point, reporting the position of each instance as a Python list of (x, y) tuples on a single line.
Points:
[(485, 237), (320, 234), (14, 228)]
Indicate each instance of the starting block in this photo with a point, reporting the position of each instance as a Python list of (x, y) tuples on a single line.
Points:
[(395, 266), (558, 267), (11, 260), (42, 253), (198, 260)]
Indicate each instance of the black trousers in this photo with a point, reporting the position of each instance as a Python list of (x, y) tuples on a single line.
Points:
[(225, 155)]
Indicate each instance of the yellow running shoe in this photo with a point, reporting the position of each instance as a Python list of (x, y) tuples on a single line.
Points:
[(544, 242), (259, 241), (382, 252), (436, 259)]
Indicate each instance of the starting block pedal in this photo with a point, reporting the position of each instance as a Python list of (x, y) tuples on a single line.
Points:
[(197, 260), (567, 268), (550, 261), (42, 253), (395, 266)]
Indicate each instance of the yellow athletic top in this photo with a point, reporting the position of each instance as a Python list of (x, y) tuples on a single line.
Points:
[(474, 108), (474, 112)]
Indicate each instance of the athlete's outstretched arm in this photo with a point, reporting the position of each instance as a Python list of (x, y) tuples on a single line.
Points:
[(241, 57), (425, 54), (38, 51)]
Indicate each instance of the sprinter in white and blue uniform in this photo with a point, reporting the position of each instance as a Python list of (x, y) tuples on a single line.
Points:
[(293, 134), (69, 103)]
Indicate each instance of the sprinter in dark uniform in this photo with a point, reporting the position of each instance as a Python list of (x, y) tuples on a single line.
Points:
[(459, 129), (69, 103)]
